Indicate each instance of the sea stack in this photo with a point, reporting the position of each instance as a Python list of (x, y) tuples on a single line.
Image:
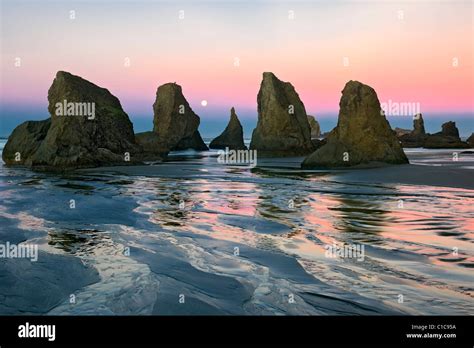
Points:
[(417, 136), (87, 128), (282, 127), (362, 137), (232, 137), (470, 140), (314, 126), (448, 138), (174, 122)]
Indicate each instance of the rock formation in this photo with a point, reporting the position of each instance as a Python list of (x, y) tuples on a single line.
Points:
[(401, 131), (470, 140), (362, 136), (24, 141), (282, 127), (174, 123), (447, 138), (152, 147), (314, 126), (87, 128), (417, 137), (232, 136)]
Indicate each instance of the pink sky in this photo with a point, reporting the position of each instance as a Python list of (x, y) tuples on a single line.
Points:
[(407, 59)]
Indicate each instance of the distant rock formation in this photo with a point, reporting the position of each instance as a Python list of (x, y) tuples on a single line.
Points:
[(448, 138), (232, 136), (362, 135), (282, 127), (314, 126), (87, 128), (417, 137), (401, 131), (470, 140), (174, 123)]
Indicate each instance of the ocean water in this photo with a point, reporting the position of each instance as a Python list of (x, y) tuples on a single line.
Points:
[(193, 237)]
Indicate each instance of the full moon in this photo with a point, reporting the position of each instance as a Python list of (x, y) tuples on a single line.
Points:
[(204, 102)]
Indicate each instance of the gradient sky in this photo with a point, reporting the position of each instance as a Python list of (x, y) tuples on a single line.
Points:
[(407, 59)]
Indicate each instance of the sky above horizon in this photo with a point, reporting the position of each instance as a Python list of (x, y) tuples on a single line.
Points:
[(409, 52)]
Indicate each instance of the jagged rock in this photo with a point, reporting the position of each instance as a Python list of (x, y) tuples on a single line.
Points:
[(24, 141), (401, 131), (174, 121), (282, 127), (318, 143), (153, 148), (449, 129), (232, 136), (88, 128), (470, 140), (314, 126), (194, 142), (417, 136), (418, 125), (448, 138), (362, 135)]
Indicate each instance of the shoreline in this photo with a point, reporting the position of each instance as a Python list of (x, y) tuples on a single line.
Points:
[(428, 168)]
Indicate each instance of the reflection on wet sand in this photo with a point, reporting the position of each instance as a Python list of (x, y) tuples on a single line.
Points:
[(203, 229)]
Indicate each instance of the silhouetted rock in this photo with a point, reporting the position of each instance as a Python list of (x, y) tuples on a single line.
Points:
[(232, 136), (153, 148), (318, 143), (314, 126), (194, 142), (470, 140), (24, 141), (417, 137), (448, 138), (282, 127), (174, 121), (88, 128), (418, 125), (362, 136), (401, 131)]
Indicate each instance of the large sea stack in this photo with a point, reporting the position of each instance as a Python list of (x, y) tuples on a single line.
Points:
[(417, 136), (282, 127), (448, 138), (175, 125), (87, 128), (362, 137), (232, 137)]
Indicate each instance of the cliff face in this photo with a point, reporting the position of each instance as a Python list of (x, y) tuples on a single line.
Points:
[(174, 121), (362, 135), (282, 127)]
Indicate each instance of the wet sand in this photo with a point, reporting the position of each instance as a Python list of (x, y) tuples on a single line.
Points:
[(429, 168)]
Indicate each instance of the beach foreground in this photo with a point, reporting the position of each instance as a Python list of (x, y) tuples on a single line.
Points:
[(191, 236)]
